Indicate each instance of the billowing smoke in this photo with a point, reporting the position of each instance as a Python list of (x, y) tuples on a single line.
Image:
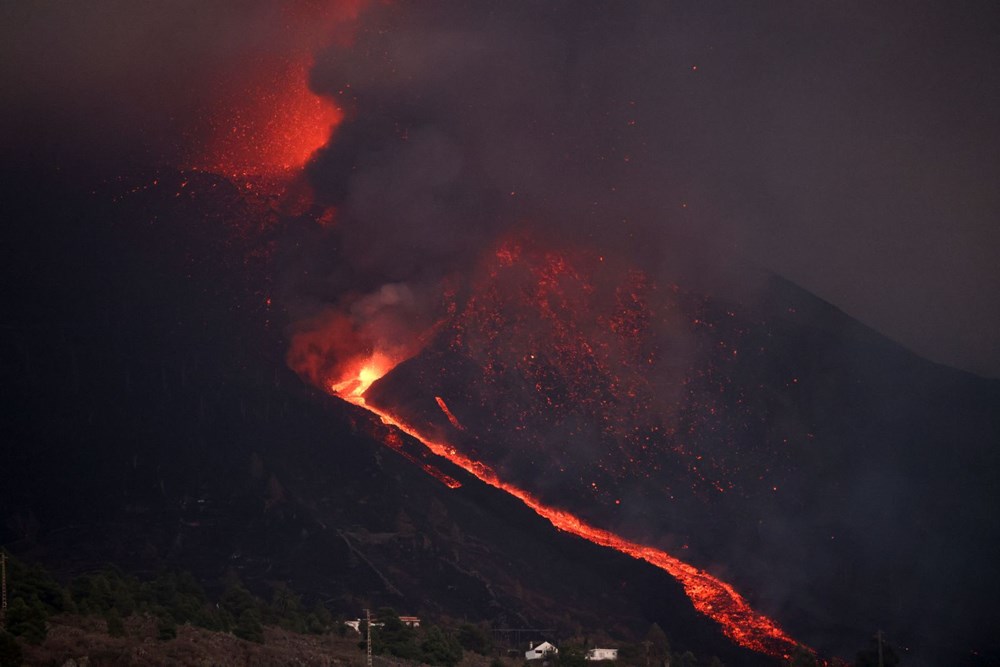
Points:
[(680, 135), (469, 123)]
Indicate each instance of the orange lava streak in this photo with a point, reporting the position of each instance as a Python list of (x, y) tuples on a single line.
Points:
[(447, 413), (395, 443), (709, 595)]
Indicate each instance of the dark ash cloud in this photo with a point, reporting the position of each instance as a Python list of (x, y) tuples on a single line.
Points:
[(847, 147)]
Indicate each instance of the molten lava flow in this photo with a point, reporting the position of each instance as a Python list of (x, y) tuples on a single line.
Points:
[(710, 596), (359, 376), (447, 413)]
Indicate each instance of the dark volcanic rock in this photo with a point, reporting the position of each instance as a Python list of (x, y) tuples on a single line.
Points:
[(149, 421)]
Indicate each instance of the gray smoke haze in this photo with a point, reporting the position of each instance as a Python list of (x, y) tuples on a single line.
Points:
[(848, 147), (468, 121)]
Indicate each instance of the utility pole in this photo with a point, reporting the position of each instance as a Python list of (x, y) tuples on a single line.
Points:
[(880, 663), (3, 589), (368, 627)]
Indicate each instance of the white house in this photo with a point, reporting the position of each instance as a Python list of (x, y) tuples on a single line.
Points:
[(543, 650), (602, 654)]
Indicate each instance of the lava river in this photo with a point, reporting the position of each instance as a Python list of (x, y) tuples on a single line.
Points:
[(709, 595)]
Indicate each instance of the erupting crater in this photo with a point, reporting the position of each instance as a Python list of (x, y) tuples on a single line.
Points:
[(359, 377)]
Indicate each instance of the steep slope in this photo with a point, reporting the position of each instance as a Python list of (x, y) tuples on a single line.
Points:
[(786, 447), (149, 422)]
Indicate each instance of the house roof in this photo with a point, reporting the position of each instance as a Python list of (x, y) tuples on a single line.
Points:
[(543, 646)]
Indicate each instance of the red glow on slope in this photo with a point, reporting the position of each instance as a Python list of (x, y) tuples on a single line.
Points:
[(564, 339), (709, 595), (394, 441)]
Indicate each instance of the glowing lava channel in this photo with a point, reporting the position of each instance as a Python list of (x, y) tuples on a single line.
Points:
[(447, 413), (709, 595)]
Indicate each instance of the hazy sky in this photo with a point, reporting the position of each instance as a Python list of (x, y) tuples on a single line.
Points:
[(849, 146)]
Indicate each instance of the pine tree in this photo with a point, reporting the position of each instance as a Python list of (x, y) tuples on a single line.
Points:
[(439, 648)]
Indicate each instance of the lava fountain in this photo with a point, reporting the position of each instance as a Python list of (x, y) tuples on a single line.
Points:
[(263, 122)]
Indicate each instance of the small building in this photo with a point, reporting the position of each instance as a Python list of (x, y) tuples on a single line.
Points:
[(602, 654), (543, 650), (412, 621)]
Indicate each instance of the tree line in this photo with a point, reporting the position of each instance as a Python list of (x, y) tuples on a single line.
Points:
[(174, 598)]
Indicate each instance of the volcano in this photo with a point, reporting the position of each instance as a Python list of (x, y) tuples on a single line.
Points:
[(797, 451), (172, 423), (818, 453), (477, 309)]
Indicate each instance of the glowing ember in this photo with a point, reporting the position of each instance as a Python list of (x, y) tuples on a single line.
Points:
[(560, 346), (709, 595), (270, 126), (264, 121)]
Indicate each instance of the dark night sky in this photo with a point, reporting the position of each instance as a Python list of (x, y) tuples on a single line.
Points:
[(849, 146)]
